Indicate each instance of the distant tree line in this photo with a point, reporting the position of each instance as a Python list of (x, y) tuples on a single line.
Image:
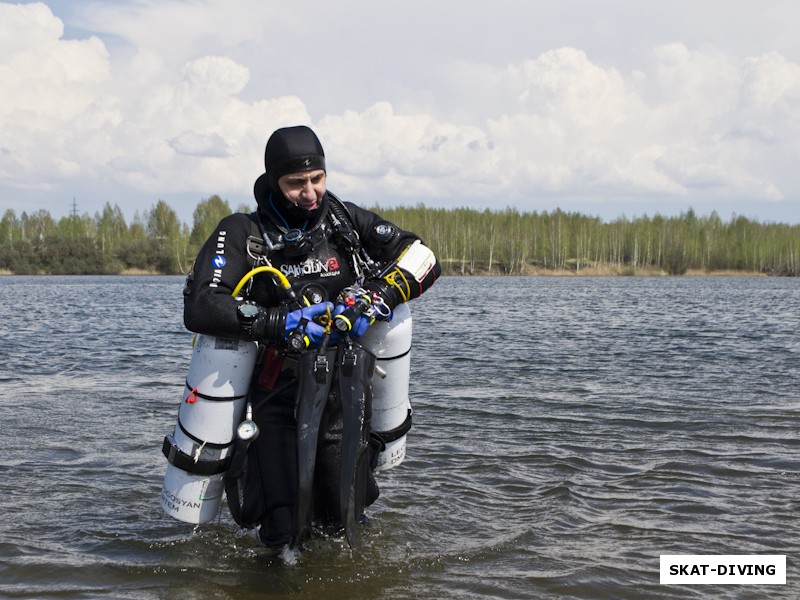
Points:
[(154, 242), (466, 241), (510, 242)]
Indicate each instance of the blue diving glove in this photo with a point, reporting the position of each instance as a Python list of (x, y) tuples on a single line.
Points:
[(301, 330), (358, 327)]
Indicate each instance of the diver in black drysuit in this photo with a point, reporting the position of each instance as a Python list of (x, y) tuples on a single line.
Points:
[(317, 250)]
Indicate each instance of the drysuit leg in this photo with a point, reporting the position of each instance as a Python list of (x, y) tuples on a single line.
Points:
[(272, 467)]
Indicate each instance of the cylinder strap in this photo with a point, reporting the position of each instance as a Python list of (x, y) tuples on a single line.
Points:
[(183, 461), (395, 357), (197, 440), (395, 434), (194, 395)]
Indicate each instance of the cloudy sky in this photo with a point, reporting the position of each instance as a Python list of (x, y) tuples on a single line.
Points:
[(609, 108)]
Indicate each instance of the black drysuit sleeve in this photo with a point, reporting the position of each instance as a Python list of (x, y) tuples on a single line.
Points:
[(209, 307)]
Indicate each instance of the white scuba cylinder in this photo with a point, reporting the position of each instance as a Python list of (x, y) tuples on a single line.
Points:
[(390, 342), (201, 445)]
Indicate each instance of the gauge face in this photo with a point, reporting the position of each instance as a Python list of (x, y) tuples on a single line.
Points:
[(248, 311), (247, 430)]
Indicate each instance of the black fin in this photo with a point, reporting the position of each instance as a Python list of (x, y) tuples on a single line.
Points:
[(355, 369), (316, 374)]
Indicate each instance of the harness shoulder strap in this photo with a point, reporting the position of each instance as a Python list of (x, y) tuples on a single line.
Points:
[(344, 227), (342, 223), (258, 243)]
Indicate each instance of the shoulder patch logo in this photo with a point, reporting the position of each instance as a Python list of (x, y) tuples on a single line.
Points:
[(384, 232), (219, 261)]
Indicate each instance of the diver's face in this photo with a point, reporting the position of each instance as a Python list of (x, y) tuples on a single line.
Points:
[(304, 189)]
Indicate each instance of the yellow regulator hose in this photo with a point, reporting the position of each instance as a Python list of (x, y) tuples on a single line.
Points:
[(278, 275)]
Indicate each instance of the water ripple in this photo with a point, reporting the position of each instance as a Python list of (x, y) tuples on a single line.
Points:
[(567, 432)]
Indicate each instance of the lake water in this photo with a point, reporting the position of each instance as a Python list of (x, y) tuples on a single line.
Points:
[(568, 432)]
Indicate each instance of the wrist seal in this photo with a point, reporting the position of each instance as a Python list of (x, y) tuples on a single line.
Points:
[(383, 289), (269, 326)]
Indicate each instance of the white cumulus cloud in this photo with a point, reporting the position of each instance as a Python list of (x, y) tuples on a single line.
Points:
[(175, 98)]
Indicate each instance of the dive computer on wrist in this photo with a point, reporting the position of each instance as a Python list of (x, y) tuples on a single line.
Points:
[(248, 312)]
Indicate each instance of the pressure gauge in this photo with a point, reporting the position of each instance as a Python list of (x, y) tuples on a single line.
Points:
[(247, 431)]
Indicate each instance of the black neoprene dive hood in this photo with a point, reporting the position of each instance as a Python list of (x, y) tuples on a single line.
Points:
[(289, 150), (292, 150)]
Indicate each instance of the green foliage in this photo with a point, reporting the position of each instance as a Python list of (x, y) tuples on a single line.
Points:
[(206, 217), (53, 254), (162, 222), (466, 241), (164, 227), (111, 229), (72, 256), (142, 254), (37, 225), (9, 227), (19, 256)]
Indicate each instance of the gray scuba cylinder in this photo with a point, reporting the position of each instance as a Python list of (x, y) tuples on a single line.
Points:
[(200, 448), (390, 342)]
